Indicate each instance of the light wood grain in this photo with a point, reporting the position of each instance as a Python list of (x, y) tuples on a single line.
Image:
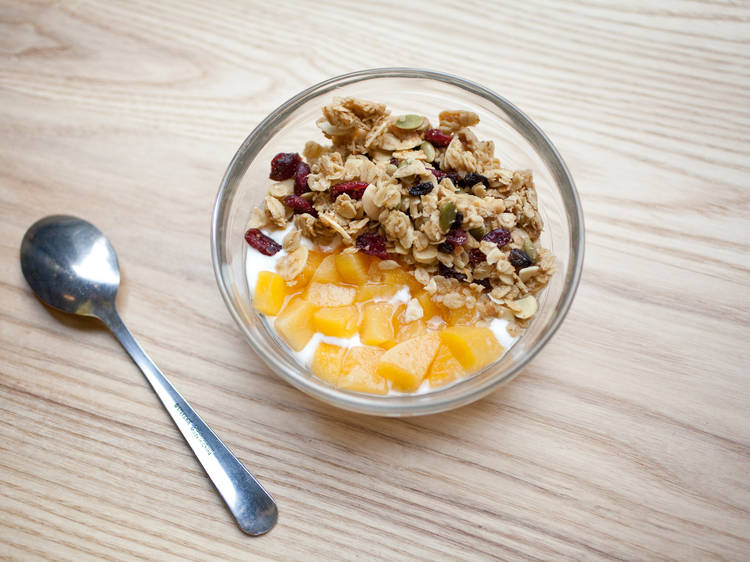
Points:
[(627, 438)]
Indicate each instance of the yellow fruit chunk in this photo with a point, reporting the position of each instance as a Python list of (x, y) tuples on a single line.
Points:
[(362, 357), (360, 380), (326, 272), (353, 267), (400, 277), (461, 317), (474, 347), (370, 291), (337, 321), (377, 324), (326, 362), (445, 368), (294, 323), (314, 259), (329, 294), (411, 330), (406, 364), (429, 307), (270, 290)]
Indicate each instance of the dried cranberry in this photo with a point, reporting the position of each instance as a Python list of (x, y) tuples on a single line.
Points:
[(300, 178), (421, 188), (445, 247), (300, 205), (450, 273), (439, 175), (373, 244), (519, 259), (353, 189), (477, 256), (284, 165), (456, 237), (499, 236), (261, 242), (459, 220), (437, 137), (471, 179)]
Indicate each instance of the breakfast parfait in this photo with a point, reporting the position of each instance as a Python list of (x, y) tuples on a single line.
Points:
[(400, 257)]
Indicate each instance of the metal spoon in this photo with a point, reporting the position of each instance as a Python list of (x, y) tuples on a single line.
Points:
[(72, 266)]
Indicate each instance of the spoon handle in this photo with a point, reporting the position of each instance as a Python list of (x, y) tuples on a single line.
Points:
[(252, 507)]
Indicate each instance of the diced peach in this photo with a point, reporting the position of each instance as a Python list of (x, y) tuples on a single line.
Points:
[(270, 290), (362, 357), (329, 294), (411, 330), (337, 321), (474, 347), (461, 317), (445, 368), (326, 362), (377, 324), (369, 291), (429, 307), (294, 323), (406, 364), (360, 380), (353, 267), (314, 259), (326, 271), (400, 277)]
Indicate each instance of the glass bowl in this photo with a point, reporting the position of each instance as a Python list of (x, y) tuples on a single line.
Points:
[(519, 144)]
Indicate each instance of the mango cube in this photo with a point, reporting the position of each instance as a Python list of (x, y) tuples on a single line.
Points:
[(362, 357), (294, 323), (369, 291), (360, 380), (326, 272), (429, 307), (326, 362), (411, 330), (445, 368), (400, 277), (352, 268), (329, 294), (377, 324), (461, 317), (406, 363), (473, 347), (314, 259), (336, 321), (270, 290)]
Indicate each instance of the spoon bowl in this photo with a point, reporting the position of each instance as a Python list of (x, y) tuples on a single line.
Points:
[(72, 267)]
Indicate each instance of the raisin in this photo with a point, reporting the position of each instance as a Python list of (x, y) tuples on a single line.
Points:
[(486, 283), (456, 237), (421, 188), (261, 242), (394, 162), (284, 165), (300, 178), (437, 137), (471, 179), (372, 244), (519, 259), (439, 175), (445, 247), (445, 271), (459, 220), (499, 236), (300, 205), (353, 189), (477, 256)]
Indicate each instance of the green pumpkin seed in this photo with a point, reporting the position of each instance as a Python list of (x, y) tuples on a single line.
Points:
[(429, 151), (447, 215), (529, 250), (408, 122), (478, 232), (404, 163)]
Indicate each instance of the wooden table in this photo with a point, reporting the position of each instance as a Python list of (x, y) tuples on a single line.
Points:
[(627, 438)]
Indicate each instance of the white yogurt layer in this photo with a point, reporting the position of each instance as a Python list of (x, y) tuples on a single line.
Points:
[(257, 262)]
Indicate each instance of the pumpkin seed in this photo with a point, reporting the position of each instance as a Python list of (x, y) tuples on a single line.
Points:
[(429, 151), (447, 215), (409, 121), (529, 249), (478, 232)]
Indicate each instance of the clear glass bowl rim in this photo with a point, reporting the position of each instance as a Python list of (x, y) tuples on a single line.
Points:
[(402, 405)]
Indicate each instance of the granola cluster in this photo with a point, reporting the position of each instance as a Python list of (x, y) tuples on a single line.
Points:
[(435, 200)]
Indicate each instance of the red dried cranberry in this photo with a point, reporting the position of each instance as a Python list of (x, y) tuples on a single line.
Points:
[(437, 137), (450, 273), (353, 189), (421, 188), (261, 242), (519, 259), (300, 205), (499, 236), (477, 256), (284, 165), (456, 237), (471, 179), (440, 174), (300, 178), (373, 244)]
